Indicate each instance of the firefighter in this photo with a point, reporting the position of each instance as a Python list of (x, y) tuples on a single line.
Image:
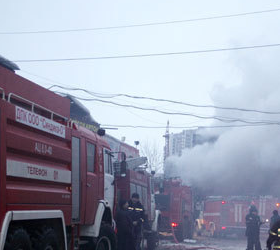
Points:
[(253, 224), (274, 236), (275, 217), (137, 214), (124, 228)]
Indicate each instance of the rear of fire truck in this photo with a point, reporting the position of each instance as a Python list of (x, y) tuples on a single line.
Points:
[(52, 172), (174, 200)]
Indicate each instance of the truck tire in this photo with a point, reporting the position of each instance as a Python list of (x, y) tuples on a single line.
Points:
[(106, 239), (179, 233), (189, 228), (18, 240), (48, 240), (152, 241)]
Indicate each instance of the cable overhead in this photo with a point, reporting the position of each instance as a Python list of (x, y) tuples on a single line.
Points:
[(188, 127), (228, 120), (147, 55), (100, 95), (139, 25)]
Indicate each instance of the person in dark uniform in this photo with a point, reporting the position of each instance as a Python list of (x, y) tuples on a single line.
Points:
[(253, 223), (274, 236), (137, 214), (275, 217), (125, 228)]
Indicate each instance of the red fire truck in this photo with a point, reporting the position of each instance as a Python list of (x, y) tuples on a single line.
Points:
[(135, 179), (223, 216), (51, 172), (174, 200)]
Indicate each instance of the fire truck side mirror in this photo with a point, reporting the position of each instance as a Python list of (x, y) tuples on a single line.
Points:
[(123, 168), (101, 132)]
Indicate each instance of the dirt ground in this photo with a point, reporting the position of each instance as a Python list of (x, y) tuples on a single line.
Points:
[(230, 243)]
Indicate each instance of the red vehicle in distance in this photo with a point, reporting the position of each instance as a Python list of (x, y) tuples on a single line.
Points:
[(222, 216), (175, 202)]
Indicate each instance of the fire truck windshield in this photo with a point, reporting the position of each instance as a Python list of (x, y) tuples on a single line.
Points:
[(162, 202)]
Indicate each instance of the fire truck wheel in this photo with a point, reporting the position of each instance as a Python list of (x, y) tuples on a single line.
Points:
[(18, 240), (152, 241), (106, 239), (48, 240), (180, 234)]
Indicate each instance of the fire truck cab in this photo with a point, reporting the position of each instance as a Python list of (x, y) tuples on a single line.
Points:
[(51, 172)]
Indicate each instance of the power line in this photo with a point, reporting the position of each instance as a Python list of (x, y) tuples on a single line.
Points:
[(222, 119), (186, 127), (139, 25), (100, 95), (146, 55)]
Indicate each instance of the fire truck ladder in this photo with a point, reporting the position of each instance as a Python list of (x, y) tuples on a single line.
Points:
[(134, 163), (18, 100)]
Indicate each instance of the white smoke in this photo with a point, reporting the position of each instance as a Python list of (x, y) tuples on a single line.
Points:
[(242, 160)]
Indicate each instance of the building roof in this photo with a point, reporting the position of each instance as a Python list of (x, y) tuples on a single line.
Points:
[(8, 64)]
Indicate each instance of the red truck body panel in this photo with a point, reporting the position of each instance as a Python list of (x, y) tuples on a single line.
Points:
[(36, 153), (35, 166), (136, 182), (175, 202), (18, 85)]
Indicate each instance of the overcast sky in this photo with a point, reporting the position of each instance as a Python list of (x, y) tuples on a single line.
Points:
[(190, 78)]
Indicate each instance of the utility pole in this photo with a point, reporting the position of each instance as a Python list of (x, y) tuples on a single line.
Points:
[(166, 146)]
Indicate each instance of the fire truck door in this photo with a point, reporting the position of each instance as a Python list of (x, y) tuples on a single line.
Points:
[(109, 178), (76, 179), (225, 214), (91, 184), (238, 213), (262, 207)]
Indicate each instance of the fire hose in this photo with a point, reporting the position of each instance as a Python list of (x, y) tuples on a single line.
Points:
[(191, 248)]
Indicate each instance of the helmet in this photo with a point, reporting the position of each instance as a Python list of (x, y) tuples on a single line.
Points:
[(135, 195), (275, 212), (253, 209)]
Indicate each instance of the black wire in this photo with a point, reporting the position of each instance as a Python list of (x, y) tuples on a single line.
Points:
[(145, 55), (138, 25), (100, 95), (188, 127), (229, 120)]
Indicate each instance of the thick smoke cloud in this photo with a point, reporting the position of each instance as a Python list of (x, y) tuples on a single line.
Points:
[(242, 161)]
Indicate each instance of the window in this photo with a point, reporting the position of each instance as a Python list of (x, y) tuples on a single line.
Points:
[(145, 198), (139, 191), (132, 189), (90, 157), (108, 162), (162, 202)]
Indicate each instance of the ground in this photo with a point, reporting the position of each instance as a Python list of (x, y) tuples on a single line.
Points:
[(231, 243)]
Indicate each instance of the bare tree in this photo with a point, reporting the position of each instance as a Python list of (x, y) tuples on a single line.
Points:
[(154, 154)]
